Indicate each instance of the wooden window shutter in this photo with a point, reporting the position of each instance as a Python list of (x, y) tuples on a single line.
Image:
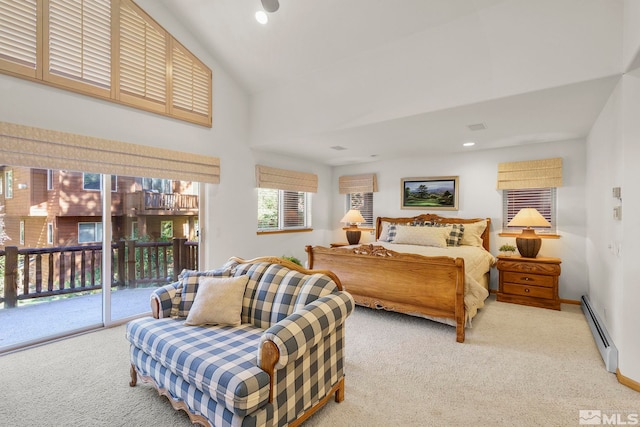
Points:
[(78, 45), (19, 37), (358, 184), (543, 173), (191, 85), (143, 58), (283, 179)]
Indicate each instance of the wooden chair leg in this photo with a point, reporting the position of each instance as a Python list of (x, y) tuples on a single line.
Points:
[(134, 376), (340, 391)]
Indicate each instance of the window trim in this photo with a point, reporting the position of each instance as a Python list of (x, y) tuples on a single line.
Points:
[(552, 217), (95, 232), (50, 233), (281, 229), (8, 182), (114, 182)]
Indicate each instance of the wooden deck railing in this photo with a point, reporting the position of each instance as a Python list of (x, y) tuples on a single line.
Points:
[(43, 272)]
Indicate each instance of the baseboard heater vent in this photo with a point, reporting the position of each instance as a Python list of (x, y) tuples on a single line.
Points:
[(608, 351)]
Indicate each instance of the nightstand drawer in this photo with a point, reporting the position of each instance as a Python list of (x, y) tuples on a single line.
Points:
[(526, 290), (528, 279)]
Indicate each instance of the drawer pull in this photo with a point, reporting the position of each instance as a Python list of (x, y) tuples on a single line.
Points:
[(526, 279), (526, 290)]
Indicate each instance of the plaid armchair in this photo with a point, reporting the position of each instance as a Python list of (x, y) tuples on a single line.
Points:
[(282, 363)]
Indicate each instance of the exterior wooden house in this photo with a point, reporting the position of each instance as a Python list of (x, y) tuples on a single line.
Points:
[(48, 208)]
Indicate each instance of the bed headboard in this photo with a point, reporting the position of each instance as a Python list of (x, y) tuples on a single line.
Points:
[(440, 219)]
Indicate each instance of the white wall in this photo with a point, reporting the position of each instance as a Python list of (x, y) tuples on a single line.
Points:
[(478, 197), (612, 252)]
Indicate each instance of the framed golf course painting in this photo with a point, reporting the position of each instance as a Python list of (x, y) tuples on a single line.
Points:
[(432, 193)]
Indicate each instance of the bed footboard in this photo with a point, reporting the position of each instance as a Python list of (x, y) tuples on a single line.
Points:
[(407, 283)]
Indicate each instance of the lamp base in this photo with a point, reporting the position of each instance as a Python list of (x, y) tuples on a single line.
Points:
[(353, 236), (528, 243)]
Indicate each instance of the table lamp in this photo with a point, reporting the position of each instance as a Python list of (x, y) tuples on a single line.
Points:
[(352, 219), (528, 242)]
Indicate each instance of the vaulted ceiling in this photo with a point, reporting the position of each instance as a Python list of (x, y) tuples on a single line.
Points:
[(381, 79)]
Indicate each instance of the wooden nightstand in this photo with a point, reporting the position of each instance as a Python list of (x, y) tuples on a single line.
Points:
[(529, 281)]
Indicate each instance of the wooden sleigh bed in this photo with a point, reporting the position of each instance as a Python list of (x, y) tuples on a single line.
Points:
[(436, 287)]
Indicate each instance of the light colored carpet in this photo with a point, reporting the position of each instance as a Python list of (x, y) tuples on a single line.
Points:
[(519, 366)]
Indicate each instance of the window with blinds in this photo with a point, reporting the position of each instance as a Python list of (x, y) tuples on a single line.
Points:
[(18, 36), (109, 49), (364, 203), (190, 83), (78, 44), (542, 199), (143, 53), (282, 210)]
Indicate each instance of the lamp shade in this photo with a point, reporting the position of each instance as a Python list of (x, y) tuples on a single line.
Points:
[(528, 217), (353, 217)]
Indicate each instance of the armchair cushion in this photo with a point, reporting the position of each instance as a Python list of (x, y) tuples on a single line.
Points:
[(218, 301), (227, 371)]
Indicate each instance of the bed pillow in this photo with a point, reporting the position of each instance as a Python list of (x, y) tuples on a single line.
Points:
[(384, 232), (218, 301), (423, 236), (472, 235), (456, 231)]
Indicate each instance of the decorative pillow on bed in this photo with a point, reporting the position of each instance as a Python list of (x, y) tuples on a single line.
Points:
[(423, 236), (218, 301), (473, 233), (456, 231)]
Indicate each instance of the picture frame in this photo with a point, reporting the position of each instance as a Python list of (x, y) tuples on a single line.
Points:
[(430, 193)]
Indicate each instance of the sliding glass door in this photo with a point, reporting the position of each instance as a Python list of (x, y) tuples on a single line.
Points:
[(87, 249)]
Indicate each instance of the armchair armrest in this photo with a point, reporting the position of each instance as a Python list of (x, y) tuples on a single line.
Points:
[(162, 299), (304, 328)]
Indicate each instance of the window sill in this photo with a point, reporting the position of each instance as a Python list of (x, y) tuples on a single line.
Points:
[(300, 230), (543, 236)]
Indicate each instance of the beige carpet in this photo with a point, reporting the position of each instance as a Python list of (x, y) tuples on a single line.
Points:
[(519, 366)]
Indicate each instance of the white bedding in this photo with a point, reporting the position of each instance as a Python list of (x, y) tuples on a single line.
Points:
[(477, 261)]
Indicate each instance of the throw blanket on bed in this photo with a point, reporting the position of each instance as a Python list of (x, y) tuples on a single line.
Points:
[(477, 261)]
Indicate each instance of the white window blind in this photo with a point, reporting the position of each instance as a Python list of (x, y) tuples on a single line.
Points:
[(191, 82), (79, 42), (542, 199), (143, 57), (19, 36), (364, 203)]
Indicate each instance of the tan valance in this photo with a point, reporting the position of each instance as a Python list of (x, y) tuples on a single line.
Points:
[(283, 179), (543, 173), (358, 184), (49, 149)]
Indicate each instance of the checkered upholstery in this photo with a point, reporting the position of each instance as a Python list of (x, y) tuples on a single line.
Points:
[(215, 370)]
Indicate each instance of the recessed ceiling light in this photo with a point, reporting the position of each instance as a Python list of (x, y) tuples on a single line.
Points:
[(261, 17), (469, 144)]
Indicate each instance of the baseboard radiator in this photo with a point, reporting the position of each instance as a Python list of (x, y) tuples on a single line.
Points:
[(608, 351)]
